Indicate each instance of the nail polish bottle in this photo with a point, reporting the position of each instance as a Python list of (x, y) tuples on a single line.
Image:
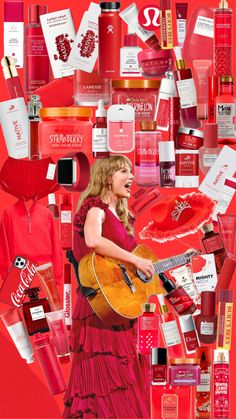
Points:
[(34, 311), (167, 163), (210, 150), (206, 322), (189, 332), (159, 366), (148, 329), (177, 297), (213, 244)]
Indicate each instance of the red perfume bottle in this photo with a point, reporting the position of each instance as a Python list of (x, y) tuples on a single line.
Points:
[(148, 329), (177, 297), (213, 244), (99, 147), (187, 92), (223, 40), (203, 390), (37, 68), (170, 331), (109, 36), (159, 366), (66, 221), (34, 312), (206, 322)]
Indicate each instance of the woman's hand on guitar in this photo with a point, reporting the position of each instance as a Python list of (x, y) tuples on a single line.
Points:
[(145, 266)]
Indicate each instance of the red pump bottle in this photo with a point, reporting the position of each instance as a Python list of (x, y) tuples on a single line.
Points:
[(187, 91)]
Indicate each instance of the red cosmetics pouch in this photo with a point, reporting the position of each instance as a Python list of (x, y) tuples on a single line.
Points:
[(28, 178), (58, 93), (19, 278)]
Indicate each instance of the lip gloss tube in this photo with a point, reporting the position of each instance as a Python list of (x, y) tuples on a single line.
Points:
[(12, 79)]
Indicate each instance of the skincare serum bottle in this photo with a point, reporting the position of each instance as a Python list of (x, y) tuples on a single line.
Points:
[(206, 322), (210, 150), (187, 91), (99, 134), (213, 244), (129, 66)]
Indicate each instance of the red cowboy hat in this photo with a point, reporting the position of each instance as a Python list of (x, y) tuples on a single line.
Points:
[(177, 216)]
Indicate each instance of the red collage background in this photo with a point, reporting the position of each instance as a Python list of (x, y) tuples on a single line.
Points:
[(24, 393)]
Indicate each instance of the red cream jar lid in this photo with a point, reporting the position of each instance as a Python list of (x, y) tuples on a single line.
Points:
[(73, 112), (184, 361), (151, 54)]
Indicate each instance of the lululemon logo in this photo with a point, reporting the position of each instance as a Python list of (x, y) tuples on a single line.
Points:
[(149, 17), (110, 29)]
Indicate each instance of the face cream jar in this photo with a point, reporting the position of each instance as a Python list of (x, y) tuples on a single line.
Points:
[(184, 372)]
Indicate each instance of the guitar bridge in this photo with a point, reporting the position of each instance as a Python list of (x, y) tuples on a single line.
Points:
[(127, 279)]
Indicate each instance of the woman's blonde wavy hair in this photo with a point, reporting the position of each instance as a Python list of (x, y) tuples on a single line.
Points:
[(99, 184)]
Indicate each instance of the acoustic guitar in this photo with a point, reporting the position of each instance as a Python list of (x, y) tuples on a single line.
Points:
[(119, 290)]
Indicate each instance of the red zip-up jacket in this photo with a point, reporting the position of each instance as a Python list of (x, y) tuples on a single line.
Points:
[(31, 233)]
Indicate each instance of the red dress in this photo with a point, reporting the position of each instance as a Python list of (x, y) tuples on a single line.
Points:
[(107, 379)]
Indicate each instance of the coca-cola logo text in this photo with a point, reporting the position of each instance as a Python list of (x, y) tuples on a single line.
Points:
[(26, 277)]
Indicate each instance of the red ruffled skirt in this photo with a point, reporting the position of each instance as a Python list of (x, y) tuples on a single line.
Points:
[(108, 379)]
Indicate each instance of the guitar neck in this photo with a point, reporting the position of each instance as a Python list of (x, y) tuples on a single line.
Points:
[(169, 263)]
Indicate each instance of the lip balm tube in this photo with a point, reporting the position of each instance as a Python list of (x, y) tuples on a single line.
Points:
[(57, 326)]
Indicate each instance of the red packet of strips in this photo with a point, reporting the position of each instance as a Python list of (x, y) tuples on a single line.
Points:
[(19, 278)]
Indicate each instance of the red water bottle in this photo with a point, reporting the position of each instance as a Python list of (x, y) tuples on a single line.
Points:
[(109, 38), (49, 363), (148, 329)]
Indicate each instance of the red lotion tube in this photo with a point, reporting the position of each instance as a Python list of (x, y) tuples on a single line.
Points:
[(66, 221), (57, 326), (49, 364), (46, 275), (109, 36), (12, 79), (67, 295)]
